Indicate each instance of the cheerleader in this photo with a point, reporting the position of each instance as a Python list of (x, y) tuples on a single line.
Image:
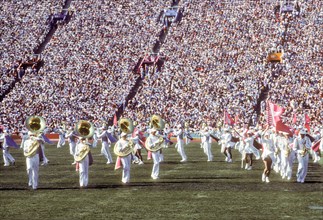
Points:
[(267, 154)]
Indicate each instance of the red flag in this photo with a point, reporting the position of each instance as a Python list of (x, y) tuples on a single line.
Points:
[(316, 145), (294, 119), (307, 122), (227, 118), (274, 112), (115, 121)]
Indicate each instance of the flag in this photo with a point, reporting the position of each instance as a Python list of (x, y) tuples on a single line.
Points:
[(227, 118), (46, 139), (316, 145), (10, 142), (307, 122), (118, 164), (115, 121), (294, 120), (273, 113), (111, 138)]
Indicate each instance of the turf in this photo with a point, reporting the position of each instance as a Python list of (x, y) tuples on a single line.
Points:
[(196, 189)]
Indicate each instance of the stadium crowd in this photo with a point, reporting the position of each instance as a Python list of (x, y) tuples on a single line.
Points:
[(215, 60)]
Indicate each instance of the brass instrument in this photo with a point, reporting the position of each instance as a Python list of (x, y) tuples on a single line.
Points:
[(303, 152), (85, 150), (36, 125), (126, 126), (287, 152), (125, 151), (84, 129), (156, 123)]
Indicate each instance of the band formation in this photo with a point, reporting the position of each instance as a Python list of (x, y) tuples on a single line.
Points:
[(278, 150)]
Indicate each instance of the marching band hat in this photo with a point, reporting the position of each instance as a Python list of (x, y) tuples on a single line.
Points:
[(303, 131)]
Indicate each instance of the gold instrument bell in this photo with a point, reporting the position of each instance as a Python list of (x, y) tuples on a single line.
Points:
[(126, 127), (157, 123), (35, 125), (84, 129)]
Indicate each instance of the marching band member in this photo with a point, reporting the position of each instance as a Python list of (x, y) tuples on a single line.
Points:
[(167, 133), (4, 138), (226, 145), (302, 145), (106, 143), (82, 150), (61, 137), (138, 146), (121, 145), (151, 142), (267, 154), (180, 142), (187, 134), (286, 162), (71, 137), (31, 151), (24, 136), (250, 149), (205, 142)]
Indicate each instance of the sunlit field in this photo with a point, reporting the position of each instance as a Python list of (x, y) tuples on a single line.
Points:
[(196, 189)]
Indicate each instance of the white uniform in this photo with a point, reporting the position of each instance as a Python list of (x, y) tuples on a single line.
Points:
[(61, 138), (72, 144), (300, 145), (32, 163), (268, 149), (180, 144), (24, 137), (205, 141), (83, 166), (285, 156), (7, 157), (106, 144), (152, 139), (126, 161)]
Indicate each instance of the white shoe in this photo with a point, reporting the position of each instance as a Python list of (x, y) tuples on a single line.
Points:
[(267, 179), (6, 165), (108, 162), (230, 161), (155, 177), (288, 178), (249, 168), (74, 163), (141, 163), (184, 160), (226, 159), (263, 178)]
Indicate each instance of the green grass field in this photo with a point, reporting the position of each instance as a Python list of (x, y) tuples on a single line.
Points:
[(193, 190)]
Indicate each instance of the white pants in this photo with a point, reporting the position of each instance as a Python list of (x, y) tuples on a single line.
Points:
[(105, 151), (61, 141), (126, 163), (286, 165), (180, 149), (7, 157), (32, 164), (84, 171), (302, 168), (207, 151), (45, 160), (156, 159), (72, 148)]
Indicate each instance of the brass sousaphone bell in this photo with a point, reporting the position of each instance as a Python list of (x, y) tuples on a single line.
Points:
[(126, 126), (36, 125), (157, 123), (84, 129)]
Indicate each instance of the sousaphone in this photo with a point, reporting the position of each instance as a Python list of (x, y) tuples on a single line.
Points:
[(157, 123), (36, 125), (84, 129), (126, 126)]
